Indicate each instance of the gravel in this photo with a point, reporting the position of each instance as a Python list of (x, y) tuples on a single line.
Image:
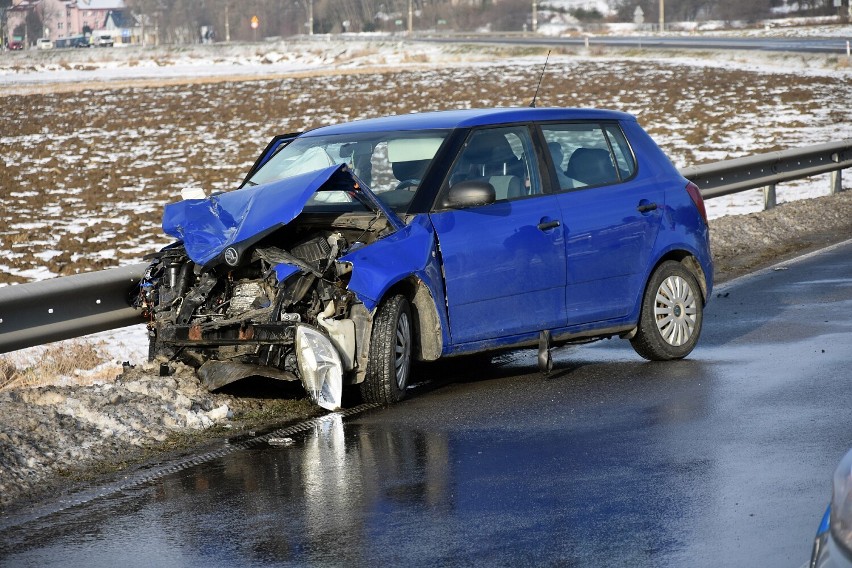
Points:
[(54, 437)]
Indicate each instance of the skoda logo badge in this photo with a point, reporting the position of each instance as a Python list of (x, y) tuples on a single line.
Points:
[(231, 256)]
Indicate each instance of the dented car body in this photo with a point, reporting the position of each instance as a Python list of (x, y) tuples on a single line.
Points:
[(350, 251)]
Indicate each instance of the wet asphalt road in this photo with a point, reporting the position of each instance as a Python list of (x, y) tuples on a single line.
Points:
[(724, 459)]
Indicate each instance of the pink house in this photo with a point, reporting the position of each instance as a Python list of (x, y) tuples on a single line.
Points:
[(91, 13), (61, 18)]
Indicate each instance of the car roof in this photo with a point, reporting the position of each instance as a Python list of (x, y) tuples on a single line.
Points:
[(468, 118)]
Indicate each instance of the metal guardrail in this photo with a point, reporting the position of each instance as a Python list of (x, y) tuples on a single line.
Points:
[(767, 170), (71, 306), (66, 307)]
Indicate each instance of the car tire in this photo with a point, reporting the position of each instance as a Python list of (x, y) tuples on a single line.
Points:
[(389, 365), (671, 315)]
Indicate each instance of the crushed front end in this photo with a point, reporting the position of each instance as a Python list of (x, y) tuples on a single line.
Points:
[(269, 297)]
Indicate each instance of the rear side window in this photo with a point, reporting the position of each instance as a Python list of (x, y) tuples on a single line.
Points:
[(588, 154), (623, 156)]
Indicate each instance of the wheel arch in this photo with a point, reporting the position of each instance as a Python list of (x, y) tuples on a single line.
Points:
[(427, 336), (690, 262)]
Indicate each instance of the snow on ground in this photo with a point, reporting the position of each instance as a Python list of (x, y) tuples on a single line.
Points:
[(213, 60), (93, 145), (324, 53), (92, 72), (554, 22)]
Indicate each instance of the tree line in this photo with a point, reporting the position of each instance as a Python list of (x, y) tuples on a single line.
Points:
[(182, 21), (290, 17)]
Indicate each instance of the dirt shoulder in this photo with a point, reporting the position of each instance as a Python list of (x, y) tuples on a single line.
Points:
[(744, 243), (57, 438)]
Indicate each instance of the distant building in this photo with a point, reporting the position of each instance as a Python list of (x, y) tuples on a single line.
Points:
[(91, 14), (127, 28), (62, 18)]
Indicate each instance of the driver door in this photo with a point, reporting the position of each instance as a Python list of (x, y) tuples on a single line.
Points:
[(504, 262)]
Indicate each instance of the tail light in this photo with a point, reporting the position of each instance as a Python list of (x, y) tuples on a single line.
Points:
[(695, 194)]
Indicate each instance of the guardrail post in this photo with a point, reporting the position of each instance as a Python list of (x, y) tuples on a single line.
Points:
[(769, 196), (836, 181)]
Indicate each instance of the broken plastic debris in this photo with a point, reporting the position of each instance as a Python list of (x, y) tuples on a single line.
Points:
[(280, 441), (320, 367), (342, 334)]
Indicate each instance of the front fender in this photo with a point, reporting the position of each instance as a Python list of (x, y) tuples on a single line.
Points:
[(377, 267), (409, 252)]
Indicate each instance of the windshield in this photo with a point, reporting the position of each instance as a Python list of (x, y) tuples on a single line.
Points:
[(392, 164)]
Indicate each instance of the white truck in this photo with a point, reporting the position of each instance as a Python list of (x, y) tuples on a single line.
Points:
[(102, 40)]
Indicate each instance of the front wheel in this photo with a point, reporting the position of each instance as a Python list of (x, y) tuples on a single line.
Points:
[(671, 316), (389, 366)]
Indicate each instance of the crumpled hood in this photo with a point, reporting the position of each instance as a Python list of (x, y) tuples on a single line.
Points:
[(242, 217)]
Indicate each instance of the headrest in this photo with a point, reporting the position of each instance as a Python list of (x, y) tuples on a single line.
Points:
[(413, 169), (489, 147), (591, 166)]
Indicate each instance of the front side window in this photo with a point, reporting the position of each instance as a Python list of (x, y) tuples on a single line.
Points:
[(504, 157), (588, 154), (392, 164)]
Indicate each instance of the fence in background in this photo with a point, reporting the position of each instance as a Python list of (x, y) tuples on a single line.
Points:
[(71, 306)]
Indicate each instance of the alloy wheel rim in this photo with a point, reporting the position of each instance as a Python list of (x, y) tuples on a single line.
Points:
[(676, 311), (402, 350)]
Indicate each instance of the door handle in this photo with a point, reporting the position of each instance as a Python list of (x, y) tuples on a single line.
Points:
[(645, 207), (547, 225)]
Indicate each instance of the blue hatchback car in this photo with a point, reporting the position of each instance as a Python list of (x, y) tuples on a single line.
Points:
[(352, 250)]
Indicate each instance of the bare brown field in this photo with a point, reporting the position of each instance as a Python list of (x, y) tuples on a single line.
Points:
[(85, 174)]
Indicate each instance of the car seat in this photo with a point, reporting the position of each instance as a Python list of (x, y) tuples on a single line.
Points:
[(592, 166), (411, 170), (493, 160)]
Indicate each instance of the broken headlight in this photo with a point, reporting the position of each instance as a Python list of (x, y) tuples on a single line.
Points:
[(320, 367)]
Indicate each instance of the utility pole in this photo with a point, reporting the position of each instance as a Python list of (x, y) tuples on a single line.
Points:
[(410, 16), (227, 24), (534, 16), (662, 15)]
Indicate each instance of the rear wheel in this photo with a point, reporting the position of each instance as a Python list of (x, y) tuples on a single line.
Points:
[(389, 366), (672, 314)]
